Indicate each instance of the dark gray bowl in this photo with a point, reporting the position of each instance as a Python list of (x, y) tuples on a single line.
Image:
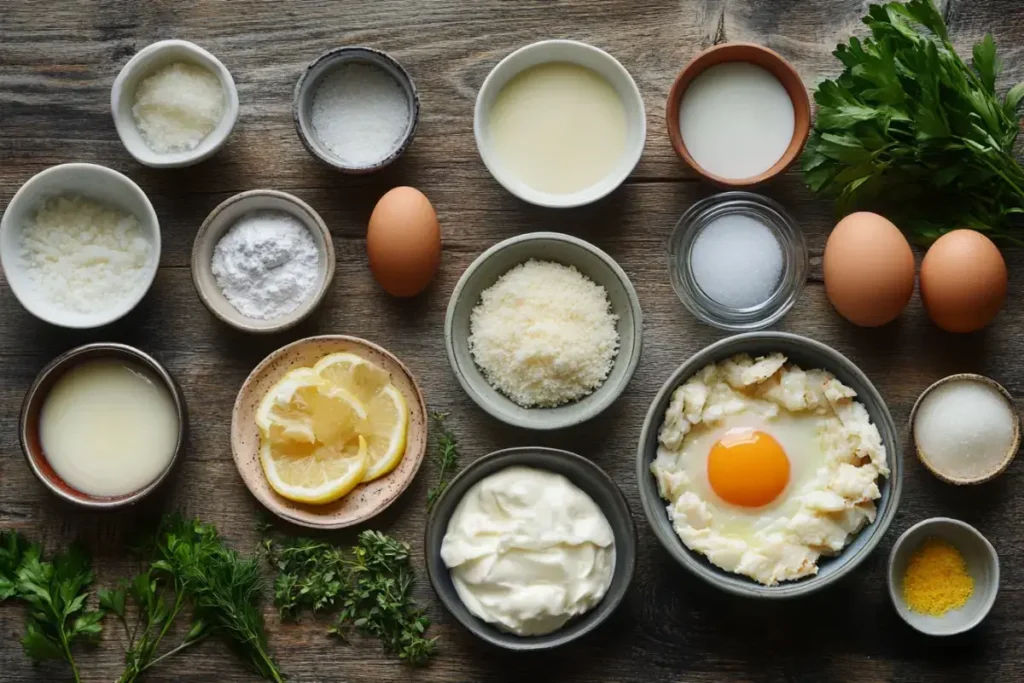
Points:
[(808, 354), (302, 104), (592, 481)]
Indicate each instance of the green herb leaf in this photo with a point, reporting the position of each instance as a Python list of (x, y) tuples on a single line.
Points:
[(12, 553), (446, 448)]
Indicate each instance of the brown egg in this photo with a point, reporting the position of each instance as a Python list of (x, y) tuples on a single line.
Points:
[(869, 269), (963, 281), (403, 242)]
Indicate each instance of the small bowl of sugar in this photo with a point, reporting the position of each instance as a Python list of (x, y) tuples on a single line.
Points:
[(356, 109), (174, 104), (737, 261), (262, 261), (79, 245)]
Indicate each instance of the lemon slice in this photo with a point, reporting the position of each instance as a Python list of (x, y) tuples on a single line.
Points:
[(286, 411), (385, 429), (314, 473), (354, 374)]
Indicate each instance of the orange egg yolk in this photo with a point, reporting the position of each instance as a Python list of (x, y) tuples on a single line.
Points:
[(747, 467)]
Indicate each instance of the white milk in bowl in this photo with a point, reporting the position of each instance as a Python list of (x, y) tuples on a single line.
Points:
[(108, 427)]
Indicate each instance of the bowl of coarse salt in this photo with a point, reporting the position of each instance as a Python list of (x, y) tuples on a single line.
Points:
[(262, 261), (79, 245), (356, 109), (544, 331)]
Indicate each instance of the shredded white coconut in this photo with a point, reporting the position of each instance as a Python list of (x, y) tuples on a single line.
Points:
[(84, 256), (266, 264), (544, 334), (177, 107)]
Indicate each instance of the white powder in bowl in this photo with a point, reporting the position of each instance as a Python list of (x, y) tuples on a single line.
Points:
[(964, 428), (360, 113), (737, 261)]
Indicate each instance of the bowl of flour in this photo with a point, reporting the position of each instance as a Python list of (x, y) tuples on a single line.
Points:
[(262, 261)]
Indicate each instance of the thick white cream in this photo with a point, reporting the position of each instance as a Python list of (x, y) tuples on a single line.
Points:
[(528, 551)]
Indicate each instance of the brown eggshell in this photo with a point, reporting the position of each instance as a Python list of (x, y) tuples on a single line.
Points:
[(963, 281), (403, 242), (869, 269)]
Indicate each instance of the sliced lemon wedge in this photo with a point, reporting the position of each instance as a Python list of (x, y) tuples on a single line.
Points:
[(385, 428), (314, 473), (286, 411), (354, 374)]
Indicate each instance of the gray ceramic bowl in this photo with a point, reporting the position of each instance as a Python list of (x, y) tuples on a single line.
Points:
[(808, 354), (221, 219), (591, 262), (318, 69), (982, 563), (32, 447), (592, 481)]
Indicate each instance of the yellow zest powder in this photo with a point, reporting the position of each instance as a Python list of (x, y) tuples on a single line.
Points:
[(936, 580)]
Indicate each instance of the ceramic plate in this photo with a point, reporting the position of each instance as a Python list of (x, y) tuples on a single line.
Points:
[(366, 500)]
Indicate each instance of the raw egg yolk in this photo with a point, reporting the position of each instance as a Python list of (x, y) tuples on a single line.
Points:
[(748, 468)]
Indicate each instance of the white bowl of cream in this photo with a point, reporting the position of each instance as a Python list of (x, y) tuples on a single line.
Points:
[(559, 123)]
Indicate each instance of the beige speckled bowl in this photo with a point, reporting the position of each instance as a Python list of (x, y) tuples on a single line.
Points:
[(366, 500), (1004, 463)]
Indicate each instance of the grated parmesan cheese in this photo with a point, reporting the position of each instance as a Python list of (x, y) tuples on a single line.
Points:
[(84, 256), (177, 107), (544, 334)]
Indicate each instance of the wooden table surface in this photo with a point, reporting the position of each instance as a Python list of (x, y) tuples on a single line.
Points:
[(57, 63)]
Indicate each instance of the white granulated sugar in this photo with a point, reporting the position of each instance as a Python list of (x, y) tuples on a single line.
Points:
[(360, 113), (177, 107), (84, 256), (965, 428), (266, 264), (544, 334), (737, 261)]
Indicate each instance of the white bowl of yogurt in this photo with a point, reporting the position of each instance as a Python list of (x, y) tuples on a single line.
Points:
[(559, 123)]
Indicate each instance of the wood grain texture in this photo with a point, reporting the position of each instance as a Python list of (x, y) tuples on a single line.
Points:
[(57, 63)]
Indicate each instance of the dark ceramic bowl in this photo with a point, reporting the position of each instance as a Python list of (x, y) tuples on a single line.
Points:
[(591, 480), (808, 354), (322, 66), (36, 396)]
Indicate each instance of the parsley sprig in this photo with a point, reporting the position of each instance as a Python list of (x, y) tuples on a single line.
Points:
[(909, 127)]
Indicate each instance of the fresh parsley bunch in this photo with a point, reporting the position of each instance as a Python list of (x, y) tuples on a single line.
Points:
[(910, 128)]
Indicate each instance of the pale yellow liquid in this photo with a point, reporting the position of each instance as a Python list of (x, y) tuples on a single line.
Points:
[(558, 127), (108, 428)]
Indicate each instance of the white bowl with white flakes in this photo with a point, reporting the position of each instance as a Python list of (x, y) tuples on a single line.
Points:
[(79, 245), (174, 104), (544, 331)]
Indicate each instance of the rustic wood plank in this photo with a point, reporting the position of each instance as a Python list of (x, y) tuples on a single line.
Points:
[(56, 66)]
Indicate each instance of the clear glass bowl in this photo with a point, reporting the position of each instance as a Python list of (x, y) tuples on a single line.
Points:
[(794, 261)]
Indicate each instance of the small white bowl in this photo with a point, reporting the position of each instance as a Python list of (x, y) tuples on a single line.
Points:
[(587, 56), (145, 63), (95, 182), (982, 564)]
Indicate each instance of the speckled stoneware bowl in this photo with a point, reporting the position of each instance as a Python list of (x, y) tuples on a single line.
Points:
[(318, 69), (1010, 454), (221, 220), (808, 354), (982, 564), (590, 479), (588, 260), (366, 500), (31, 444)]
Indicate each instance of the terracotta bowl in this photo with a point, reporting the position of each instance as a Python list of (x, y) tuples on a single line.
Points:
[(766, 59), (31, 444), (366, 500)]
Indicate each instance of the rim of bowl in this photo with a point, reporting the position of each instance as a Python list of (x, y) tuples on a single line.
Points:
[(612, 392), (353, 53), (129, 305), (289, 320), (991, 555), (548, 199), (36, 396), (550, 640), (775, 64), (697, 564), (1010, 454), (209, 145)]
